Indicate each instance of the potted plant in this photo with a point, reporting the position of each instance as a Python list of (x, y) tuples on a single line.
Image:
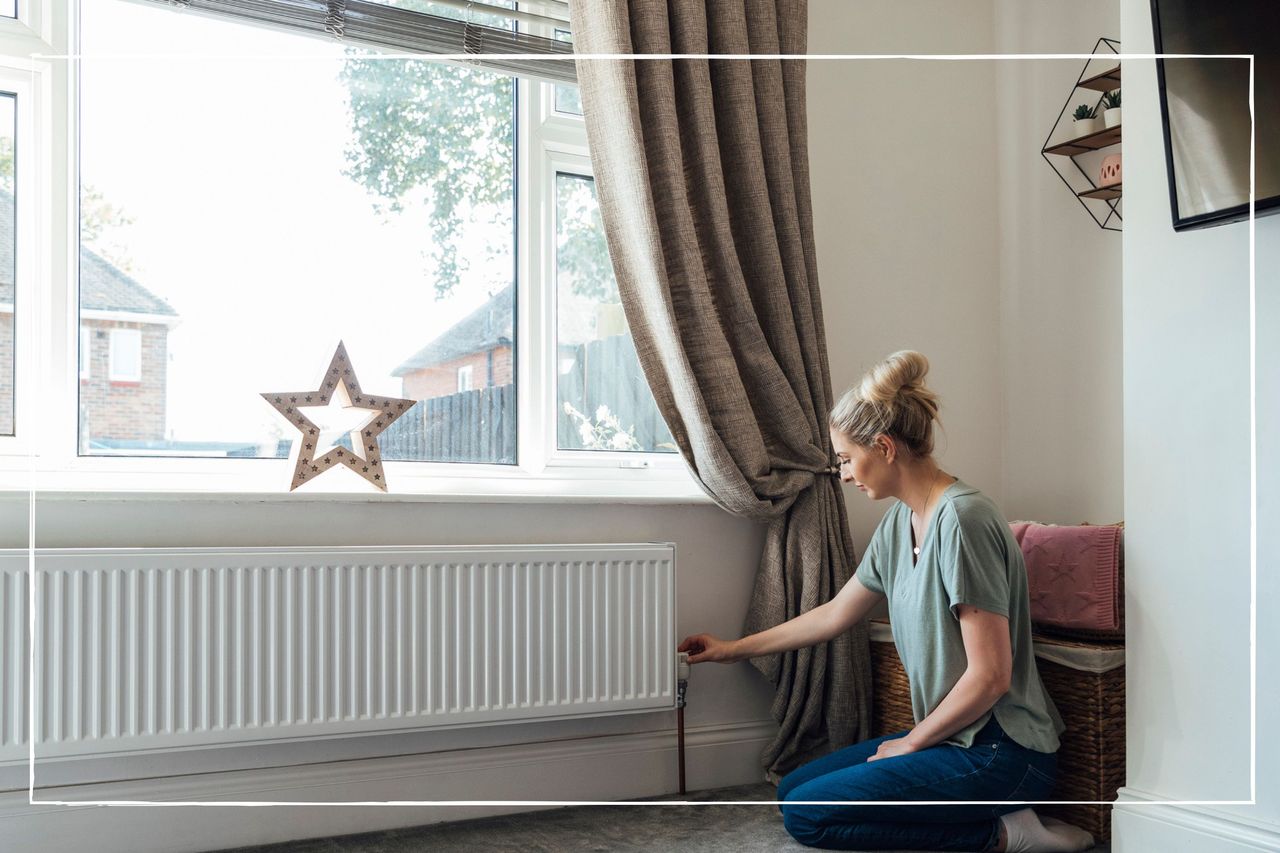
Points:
[(1111, 101), (1086, 120)]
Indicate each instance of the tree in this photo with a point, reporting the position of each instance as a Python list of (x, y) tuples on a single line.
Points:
[(440, 132), (581, 252), (445, 135), (97, 215)]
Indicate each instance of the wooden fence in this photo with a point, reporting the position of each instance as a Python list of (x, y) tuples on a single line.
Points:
[(606, 372), (470, 426), (480, 425)]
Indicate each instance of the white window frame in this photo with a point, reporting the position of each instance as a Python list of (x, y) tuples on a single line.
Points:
[(121, 343), (465, 380), (545, 138), (30, 81), (86, 352)]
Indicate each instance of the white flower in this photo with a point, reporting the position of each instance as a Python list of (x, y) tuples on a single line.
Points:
[(588, 434), (621, 441), (602, 413)]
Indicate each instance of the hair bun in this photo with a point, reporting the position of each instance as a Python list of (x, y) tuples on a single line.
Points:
[(903, 370), (891, 398)]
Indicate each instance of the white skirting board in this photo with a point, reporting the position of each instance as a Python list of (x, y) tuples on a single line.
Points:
[(1185, 829), (597, 769)]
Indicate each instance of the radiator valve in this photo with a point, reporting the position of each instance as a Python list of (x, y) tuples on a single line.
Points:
[(682, 677)]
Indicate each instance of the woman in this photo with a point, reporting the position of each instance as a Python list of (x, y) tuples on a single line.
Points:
[(943, 556)]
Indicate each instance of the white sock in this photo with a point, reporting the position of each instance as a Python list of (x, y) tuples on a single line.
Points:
[(1026, 834)]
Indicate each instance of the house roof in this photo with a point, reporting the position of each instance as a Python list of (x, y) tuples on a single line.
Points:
[(103, 286), (483, 329)]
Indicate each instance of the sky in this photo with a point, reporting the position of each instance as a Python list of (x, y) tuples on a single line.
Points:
[(228, 158)]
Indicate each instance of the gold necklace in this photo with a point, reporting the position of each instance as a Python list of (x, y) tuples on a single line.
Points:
[(916, 549)]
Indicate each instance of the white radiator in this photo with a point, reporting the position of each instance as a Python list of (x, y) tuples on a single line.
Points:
[(162, 648)]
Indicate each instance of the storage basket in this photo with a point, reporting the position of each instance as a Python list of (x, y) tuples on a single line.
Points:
[(1085, 681)]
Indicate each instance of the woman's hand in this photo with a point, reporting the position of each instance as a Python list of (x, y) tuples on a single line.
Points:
[(890, 748), (704, 647)]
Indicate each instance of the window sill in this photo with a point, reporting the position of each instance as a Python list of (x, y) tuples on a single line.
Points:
[(266, 481)]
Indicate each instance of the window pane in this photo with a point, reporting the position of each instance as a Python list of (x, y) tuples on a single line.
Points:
[(603, 400), (568, 99), (8, 250), (294, 196), (9, 8)]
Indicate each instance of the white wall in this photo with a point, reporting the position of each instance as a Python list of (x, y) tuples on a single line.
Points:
[(1187, 480)]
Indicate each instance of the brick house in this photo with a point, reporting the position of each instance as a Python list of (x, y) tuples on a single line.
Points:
[(475, 352), (124, 331)]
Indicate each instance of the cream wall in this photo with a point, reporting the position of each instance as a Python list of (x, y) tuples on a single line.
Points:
[(941, 228), (906, 215), (1060, 293)]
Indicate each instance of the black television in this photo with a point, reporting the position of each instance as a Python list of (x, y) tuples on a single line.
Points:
[(1204, 106)]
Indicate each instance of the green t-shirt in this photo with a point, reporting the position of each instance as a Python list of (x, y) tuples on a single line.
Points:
[(968, 556)]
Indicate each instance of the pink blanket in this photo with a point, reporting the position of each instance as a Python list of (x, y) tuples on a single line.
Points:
[(1074, 575)]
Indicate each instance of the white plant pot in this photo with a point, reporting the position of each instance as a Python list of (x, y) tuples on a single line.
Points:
[(1111, 117), (1084, 127)]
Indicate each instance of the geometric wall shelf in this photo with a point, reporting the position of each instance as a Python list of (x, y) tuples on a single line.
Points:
[(1100, 75)]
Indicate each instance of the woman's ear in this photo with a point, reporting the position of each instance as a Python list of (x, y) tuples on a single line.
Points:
[(887, 448)]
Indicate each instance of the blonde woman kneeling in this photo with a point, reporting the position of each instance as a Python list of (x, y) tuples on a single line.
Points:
[(943, 556)]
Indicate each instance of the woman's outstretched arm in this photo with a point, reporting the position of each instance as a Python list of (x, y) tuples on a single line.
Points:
[(850, 606)]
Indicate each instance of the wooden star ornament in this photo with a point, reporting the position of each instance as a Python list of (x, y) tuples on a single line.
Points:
[(309, 458)]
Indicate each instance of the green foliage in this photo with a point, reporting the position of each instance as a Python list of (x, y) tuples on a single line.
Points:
[(99, 220), (443, 132), (581, 254), (1084, 111), (444, 135), (1111, 100)]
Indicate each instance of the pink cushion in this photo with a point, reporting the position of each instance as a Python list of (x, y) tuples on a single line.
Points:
[(1073, 575)]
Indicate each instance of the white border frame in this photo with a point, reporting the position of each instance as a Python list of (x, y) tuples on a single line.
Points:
[(522, 156)]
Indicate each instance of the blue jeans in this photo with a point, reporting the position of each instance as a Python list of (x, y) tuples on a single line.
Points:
[(995, 768)]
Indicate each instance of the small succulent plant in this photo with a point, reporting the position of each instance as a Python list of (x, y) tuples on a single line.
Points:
[(1111, 100), (1084, 111)]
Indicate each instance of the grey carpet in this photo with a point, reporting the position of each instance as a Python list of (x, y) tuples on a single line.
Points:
[(591, 829)]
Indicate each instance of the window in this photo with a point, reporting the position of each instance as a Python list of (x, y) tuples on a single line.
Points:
[(249, 194), (86, 352), (124, 361), (605, 401)]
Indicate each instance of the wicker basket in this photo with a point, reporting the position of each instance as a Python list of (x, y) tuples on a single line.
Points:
[(1091, 758)]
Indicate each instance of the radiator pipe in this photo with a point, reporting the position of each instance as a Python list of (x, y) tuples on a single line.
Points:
[(682, 686)]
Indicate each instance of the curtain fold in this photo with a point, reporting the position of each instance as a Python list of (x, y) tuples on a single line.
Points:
[(702, 174)]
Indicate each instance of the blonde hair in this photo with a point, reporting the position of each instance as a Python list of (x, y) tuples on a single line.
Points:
[(890, 398)]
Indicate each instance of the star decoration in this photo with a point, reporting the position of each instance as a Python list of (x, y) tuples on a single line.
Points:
[(310, 457)]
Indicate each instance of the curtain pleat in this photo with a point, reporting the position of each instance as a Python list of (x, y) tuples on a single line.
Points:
[(702, 173)]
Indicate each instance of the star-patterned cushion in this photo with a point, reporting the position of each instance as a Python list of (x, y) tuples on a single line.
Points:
[(1074, 575)]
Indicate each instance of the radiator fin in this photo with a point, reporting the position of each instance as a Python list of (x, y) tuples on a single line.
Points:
[(153, 648)]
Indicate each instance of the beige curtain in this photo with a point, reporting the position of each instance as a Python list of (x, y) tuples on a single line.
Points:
[(703, 179)]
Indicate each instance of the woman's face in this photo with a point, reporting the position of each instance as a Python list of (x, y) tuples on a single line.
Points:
[(864, 467)]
